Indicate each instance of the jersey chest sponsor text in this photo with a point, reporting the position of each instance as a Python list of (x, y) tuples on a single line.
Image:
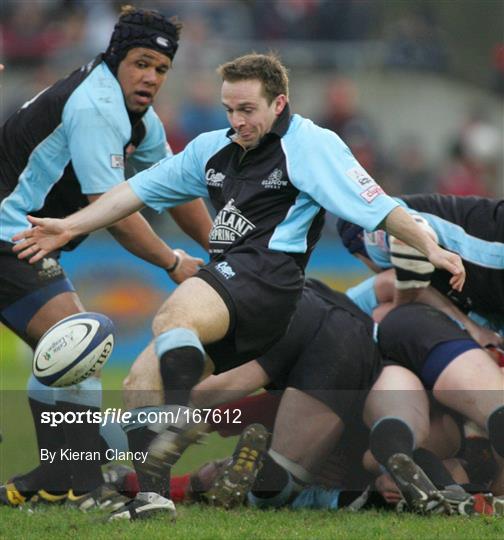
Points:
[(230, 225)]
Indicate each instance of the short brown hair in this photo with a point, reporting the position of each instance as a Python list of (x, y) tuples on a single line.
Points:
[(266, 68)]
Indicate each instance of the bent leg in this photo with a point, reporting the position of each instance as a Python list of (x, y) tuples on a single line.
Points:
[(194, 305), (473, 385), (397, 411), (306, 430), (195, 314), (399, 393), (143, 386), (55, 309)]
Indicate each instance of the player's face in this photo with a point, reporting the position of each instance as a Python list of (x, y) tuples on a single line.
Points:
[(141, 74), (248, 110)]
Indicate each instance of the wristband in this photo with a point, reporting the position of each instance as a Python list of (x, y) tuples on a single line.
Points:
[(173, 267)]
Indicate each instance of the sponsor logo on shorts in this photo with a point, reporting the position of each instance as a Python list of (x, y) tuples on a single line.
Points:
[(229, 225), (360, 176), (214, 179), (50, 269), (117, 161), (371, 193), (274, 180), (226, 270)]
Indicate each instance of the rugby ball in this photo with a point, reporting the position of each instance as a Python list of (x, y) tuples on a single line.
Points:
[(73, 349)]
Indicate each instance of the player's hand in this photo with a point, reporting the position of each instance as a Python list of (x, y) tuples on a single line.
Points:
[(46, 235), (485, 337), (446, 260), (187, 266), (388, 488)]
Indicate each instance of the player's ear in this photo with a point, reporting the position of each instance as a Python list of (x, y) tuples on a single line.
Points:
[(280, 102)]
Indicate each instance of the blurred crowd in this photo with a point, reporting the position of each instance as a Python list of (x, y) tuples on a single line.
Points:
[(38, 34), (473, 163)]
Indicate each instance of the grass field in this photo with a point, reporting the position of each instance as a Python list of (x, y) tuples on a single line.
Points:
[(18, 453)]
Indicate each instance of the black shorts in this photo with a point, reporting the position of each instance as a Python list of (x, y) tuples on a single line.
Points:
[(261, 289), (328, 352), (410, 332), (25, 287)]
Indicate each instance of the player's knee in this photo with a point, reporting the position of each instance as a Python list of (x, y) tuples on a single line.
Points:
[(158, 324), (165, 320), (127, 383), (135, 379)]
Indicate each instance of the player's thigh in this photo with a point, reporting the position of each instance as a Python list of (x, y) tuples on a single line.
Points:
[(306, 429), (195, 305), (55, 309), (472, 370), (398, 392), (33, 297), (471, 384)]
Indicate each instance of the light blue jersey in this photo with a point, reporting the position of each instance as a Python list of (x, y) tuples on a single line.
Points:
[(69, 142), (274, 194)]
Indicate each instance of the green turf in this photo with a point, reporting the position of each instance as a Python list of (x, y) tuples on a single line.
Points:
[(201, 522), (18, 453)]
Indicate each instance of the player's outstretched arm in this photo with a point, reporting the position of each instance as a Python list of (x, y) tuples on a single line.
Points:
[(48, 234), (136, 235), (401, 225)]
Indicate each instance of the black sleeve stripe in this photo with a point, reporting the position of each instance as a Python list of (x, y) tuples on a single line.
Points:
[(409, 257)]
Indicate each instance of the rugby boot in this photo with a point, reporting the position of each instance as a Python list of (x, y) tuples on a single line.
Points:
[(45, 497), (420, 493), (201, 481), (104, 497), (116, 475), (498, 504), (465, 504), (237, 478), (144, 506), (172, 441), (10, 495)]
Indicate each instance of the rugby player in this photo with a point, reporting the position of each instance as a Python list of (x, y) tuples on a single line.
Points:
[(473, 227), (325, 365), (422, 347), (420, 343), (269, 178), (58, 152)]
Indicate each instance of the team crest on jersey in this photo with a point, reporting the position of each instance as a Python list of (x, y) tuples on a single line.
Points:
[(117, 161), (360, 177), (50, 268), (229, 225), (214, 179), (274, 180), (225, 269), (371, 193)]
